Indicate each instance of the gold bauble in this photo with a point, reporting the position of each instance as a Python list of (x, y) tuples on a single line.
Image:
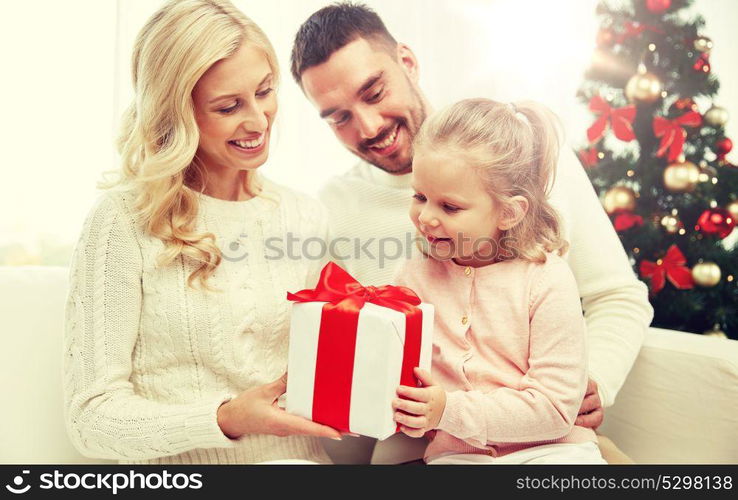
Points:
[(716, 332), (681, 177), (706, 274), (733, 209), (619, 198), (670, 224), (703, 44), (716, 116), (643, 87)]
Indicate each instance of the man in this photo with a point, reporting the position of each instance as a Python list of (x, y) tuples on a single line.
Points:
[(364, 84)]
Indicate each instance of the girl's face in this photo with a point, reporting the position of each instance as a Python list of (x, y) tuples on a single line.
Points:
[(235, 105), (452, 209)]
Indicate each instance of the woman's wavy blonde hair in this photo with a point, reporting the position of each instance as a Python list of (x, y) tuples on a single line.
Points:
[(159, 136), (515, 148)]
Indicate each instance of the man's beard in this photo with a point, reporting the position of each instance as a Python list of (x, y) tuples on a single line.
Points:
[(418, 115)]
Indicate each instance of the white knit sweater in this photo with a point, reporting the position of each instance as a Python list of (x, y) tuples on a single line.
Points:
[(148, 360), (368, 211)]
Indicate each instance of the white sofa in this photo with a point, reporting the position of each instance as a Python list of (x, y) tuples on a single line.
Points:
[(679, 404)]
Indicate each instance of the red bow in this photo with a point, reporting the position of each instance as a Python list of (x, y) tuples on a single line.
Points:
[(672, 266), (343, 291), (626, 220), (621, 120), (634, 29), (337, 338), (672, 134)]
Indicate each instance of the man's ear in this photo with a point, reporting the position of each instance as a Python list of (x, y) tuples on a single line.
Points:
[(408, 61), (513, 212)]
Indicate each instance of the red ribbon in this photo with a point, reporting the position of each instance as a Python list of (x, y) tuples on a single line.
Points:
[(673, 134), (337, 339), (626, 220), (621, 120), (673, 267), (634, 29)]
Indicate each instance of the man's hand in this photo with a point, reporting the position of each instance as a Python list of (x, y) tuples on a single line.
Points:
[(255, 411), (419, 409), (591, 413)]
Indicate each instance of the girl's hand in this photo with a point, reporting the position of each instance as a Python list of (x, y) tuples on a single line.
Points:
[(255, 411), (419, 409)]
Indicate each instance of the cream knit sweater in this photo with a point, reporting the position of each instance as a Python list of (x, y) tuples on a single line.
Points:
[(368, 212), (148, 360)]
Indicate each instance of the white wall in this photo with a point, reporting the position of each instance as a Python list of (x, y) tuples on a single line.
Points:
[(67, 82)]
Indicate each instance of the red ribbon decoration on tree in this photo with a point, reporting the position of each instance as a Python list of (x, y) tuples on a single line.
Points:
[(337, 340), (634, 29), (673, 134), (672, 266), (626, 220), (621, 120)]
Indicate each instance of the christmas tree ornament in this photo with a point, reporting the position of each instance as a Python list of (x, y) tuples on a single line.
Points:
[(643, 87), (626, 220), (702, 64), (706, 274), (715, 221), (723, 147), (619, 199), (732, 209), (672, 267), (619, 119), (671, 224), (589, 157), (685, 104), (716, 332), (703, 44), (716, 116), (658, 6), (681, 177), (672, 133)]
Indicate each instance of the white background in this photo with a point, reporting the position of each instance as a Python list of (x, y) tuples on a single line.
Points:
[(66, 80)]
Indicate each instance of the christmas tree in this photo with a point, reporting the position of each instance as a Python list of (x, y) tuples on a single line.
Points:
[(656, 154)]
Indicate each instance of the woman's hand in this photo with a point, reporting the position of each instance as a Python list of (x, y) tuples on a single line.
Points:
[(256, 412), (419, 410)]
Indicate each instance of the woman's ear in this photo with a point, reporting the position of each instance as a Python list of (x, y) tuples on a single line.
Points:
[(408, 61), (515, 209)]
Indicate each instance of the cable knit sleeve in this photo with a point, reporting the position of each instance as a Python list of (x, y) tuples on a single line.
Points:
[(545, 404), (105, 418), (615, 302)]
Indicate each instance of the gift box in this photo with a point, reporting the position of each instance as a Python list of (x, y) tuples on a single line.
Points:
[(350, 348)]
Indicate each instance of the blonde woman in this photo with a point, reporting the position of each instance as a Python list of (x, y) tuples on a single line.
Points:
[(177, 323)]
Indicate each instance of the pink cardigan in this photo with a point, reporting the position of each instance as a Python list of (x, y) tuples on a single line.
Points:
[(508, 348)]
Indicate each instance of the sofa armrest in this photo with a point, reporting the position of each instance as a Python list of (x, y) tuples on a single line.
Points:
[(680, 402)]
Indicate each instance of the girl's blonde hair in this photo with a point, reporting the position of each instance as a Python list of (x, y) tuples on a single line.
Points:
[(159, 136), (515, 149)]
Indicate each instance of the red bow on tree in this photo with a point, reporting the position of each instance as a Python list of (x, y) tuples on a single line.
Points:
[(626, 220), (634, 29), (672, 266), (620, 119), (673, 134)]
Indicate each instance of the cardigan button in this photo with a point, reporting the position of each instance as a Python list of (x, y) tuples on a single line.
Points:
[(464, 320), (468, 270)]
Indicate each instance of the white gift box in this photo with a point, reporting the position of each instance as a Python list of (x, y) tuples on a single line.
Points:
[(380, 340)]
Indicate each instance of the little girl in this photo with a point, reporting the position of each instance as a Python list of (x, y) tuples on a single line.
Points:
[(509, 365)]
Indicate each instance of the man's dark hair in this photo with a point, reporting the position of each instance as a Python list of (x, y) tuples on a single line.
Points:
[(332, 27)]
